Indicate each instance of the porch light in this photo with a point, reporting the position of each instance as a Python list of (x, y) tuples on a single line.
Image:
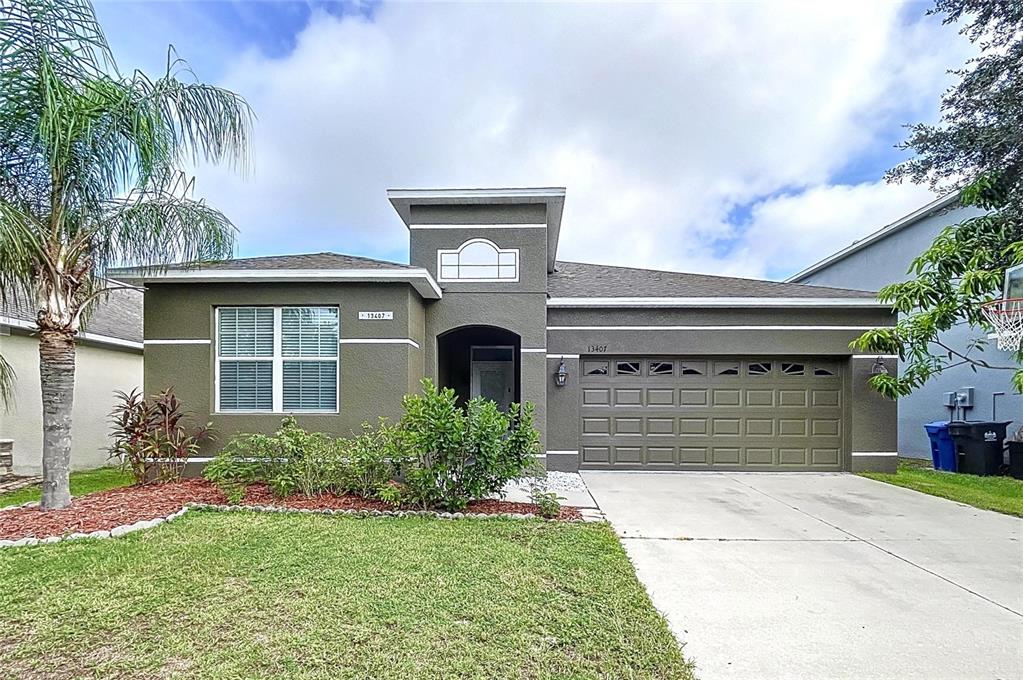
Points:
[(561, 375), (878, 368)]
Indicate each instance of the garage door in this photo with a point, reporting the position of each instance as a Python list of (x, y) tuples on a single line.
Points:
[(711, 413)]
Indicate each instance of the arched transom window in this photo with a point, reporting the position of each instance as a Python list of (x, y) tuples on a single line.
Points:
[(478, 260)]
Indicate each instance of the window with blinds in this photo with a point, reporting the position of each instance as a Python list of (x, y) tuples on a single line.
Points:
[(277, 359)]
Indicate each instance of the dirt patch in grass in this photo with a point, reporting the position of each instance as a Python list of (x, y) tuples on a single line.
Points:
[(105, 510)]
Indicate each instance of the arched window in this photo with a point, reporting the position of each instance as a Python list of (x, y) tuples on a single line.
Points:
[(478, 260)]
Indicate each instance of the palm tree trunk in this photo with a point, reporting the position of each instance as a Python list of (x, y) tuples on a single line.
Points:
[(57, 376)]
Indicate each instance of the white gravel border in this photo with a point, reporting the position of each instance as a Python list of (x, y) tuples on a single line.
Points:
[(150, 523)]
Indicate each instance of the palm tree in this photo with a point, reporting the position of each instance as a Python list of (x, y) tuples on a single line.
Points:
[(90, 178)]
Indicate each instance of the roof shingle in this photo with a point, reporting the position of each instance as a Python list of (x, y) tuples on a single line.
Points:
[(118, 315), (580, 280), (303, 261)]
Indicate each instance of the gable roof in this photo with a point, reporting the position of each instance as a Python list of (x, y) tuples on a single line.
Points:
[(317, 261), (309, 267), (912, 218), (580, 284), (115, 319)]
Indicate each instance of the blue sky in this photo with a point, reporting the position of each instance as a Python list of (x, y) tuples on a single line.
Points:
[(743, 139)]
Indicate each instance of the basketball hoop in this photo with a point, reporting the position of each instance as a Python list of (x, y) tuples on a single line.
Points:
[(1006, 315)]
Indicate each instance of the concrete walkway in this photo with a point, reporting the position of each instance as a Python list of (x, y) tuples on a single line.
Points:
[(794, 576)]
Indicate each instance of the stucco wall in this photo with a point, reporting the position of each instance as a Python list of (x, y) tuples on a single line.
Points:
[(519, 307), (373, 376), (99, 371), (886, 261)]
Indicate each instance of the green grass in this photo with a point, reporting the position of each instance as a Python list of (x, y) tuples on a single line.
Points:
[(1001, 494), (82, 482), (248, 595)]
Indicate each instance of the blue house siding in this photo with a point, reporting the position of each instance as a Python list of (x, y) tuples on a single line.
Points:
[(885, 261)]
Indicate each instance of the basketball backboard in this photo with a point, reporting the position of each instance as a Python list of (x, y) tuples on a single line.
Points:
[(1014, 282)]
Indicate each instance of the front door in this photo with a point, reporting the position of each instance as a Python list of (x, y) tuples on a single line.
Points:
[(493, 375)]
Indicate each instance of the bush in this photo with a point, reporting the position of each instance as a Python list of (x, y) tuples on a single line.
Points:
[(452, 456), (151, 440), (367, 459), (446, 456), (289, 461)]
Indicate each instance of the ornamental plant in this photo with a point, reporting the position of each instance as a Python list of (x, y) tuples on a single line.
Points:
[(153, 439)]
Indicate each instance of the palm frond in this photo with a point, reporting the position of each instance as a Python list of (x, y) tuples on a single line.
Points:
[(160, 225), (7, 380)]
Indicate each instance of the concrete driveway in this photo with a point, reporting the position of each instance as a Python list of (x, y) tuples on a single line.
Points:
[(791, 576)]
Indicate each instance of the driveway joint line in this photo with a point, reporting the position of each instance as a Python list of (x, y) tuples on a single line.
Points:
[(884, 550)]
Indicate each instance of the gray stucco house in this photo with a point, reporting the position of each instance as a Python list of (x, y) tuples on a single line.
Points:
[(628, 368), (884, 257)]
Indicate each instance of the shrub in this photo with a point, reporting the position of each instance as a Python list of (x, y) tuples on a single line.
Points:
[(289, 461), (366, 463), (150, 437), (548, 502), (452, 456)]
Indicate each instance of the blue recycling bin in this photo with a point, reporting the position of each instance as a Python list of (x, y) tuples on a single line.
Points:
[(943, 449)]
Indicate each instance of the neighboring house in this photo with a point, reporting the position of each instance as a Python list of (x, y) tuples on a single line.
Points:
[(884, 257), (628, 368), (108, 358)]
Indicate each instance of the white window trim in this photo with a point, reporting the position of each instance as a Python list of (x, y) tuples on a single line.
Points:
[(457, 252), (278, 366)]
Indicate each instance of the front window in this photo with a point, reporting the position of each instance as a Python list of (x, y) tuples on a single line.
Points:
[(277, 359), (478, 260)]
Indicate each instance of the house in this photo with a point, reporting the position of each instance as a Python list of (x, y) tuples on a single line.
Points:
[(628, 368), (884, 257), (108, 358)]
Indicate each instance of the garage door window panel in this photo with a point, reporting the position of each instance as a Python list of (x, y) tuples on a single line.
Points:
[(627, 368)]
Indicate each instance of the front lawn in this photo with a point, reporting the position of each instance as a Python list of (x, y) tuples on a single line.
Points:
[(1001, 494), (82, 482), (247, 595)]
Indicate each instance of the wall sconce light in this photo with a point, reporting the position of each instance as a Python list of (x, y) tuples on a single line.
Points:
[(878, 368), (561, 375)]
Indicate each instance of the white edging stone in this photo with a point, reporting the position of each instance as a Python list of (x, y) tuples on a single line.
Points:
[(151, 523)]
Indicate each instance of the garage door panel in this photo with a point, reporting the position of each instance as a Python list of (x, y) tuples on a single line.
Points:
[(600, 455), (683, 413), (628, 397), (660, 427), (825, 456), (759, 456), (597, 425), (726, 455), (760, 427), (792, 398), (825, 397), (660, 455), (628, 454), (727, 397), (727, 427), (791, 456), (826, 427), (628, 426), (763, 398), (692, 397), (792, 427), (660, 396), (692, 426)]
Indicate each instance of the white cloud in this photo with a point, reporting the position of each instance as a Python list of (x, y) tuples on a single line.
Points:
[(659, 119), (790, 232)]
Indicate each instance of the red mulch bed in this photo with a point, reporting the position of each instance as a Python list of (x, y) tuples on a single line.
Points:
[(105, 510)]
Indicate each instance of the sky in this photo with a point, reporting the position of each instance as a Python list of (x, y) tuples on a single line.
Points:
[(745, 139)]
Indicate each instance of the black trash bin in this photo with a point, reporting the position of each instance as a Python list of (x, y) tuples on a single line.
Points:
[(981, 445), (1016, 459)]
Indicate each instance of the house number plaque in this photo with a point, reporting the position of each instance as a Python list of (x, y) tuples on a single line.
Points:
[(376, 316)]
